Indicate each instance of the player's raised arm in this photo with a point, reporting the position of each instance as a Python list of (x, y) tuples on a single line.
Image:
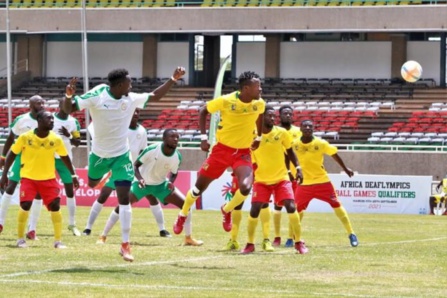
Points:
[(347, 170), (69, 104), (163, 89)]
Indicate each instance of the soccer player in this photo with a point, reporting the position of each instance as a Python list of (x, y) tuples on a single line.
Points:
[(271, 178), (286, 118), (112, 107), (151, 168), (310, 151), (20, 125), (69, 129), (240, 114), (137, 136), (38, 173), (440, 198)]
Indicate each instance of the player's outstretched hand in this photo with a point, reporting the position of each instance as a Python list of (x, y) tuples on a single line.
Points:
[(299, 176), (75, 182), (349, 172), (255, 145), (204, 145), (179, 72), (3, 182), (70, 90)]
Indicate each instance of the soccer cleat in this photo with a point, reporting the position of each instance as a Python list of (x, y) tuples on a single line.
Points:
[(353, 240), (189, 241), (178, 225), (59, 245), (74, 230), (267, 245), (102, 240), (87, 232), (21, 243), (289, 243), (31, 235), (1, 229), (103, 181), (164, 233), (125, 252), (226, 220), (277, 241), (249, 248), (301, 248), (232, 245)]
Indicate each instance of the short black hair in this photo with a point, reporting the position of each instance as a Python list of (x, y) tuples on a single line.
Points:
[(246, 77), (282, 108), (117, 76), (167, 131), (306, 120), (268, 108), (41, 114)]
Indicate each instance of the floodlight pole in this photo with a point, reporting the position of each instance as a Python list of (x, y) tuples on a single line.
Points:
[(8, 64), (85, 68)]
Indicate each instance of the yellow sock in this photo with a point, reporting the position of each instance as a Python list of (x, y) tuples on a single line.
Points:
[(344, 218), (236, 217), (294, 221), (237, 199), (301, 215), (189, 201), (22, 218), (265, 220), (56, 218), (291, 234), (251, 228), (277, 222)]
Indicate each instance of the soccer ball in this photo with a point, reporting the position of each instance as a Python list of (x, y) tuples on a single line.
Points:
[(411, 71)]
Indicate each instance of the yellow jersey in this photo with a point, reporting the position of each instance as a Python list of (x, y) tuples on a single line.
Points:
[(311, 159), (269, 157), (37, 161), (237, 119), (296, 134)]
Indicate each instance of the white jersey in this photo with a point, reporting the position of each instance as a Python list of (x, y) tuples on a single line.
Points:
[(73, 127), (137, 141), (23, 123), (156, 166), (111, 117)]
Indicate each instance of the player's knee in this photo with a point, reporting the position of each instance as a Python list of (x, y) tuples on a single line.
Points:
[(255, 209), (245, 189), (11, 187), (69, 192), (290, 206), (92, 183), (26, 206), (54, 205)]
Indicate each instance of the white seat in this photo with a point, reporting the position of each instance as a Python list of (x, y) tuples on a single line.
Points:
[(377, 134), (349, 104), (298, 103), (442, 135), (437, 104), (386, 139), (319, 133), (434, 109), (283, 103), (412, 140), (325, 108), (430, 134), (153, 130), (323, 103), (390, 134), (337, 108), (398, 140), (349, 108), (299, 108), (404, 134), (273, 103), (375, 104), (313, 108), (360, 108), (417, 134), (438, 140), (388, 104), (424, 139), (194, 107), (373, 139), (336, 103), (333, 134), (182, 107)]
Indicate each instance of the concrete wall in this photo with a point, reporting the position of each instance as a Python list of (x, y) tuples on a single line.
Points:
[(231, 19)]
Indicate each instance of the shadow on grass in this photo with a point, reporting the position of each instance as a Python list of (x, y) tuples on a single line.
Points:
[(87, 270)]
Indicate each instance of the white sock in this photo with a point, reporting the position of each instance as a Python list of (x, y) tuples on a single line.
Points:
[(126, 221), (94, 212), (188, 224), (157, 211), (71, 205), (113, 218), (34, 214), (6, 201)]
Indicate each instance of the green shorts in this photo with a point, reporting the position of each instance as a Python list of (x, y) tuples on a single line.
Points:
[(121, 167), (110, 183), (14, 171), (160, 191), (63, 172)]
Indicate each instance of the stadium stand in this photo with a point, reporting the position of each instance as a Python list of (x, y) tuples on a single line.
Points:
[(346, 111)]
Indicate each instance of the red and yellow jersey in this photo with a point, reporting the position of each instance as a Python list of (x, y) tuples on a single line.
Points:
[(37, 161), (269, 157), (237, 119), (296, 134), (311, 159)]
